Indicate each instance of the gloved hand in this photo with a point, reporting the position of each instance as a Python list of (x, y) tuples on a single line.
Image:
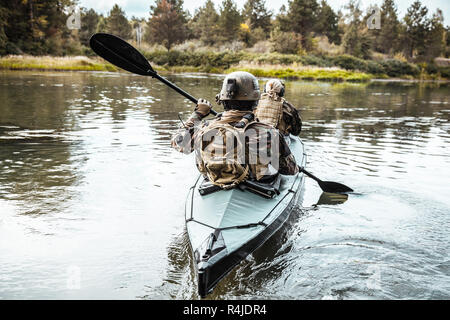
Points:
[(245, 120), (203, 108)]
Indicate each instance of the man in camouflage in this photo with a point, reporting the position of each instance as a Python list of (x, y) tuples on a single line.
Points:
[(239, 96), (276, 111)]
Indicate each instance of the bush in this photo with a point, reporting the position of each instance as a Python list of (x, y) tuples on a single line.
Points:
[(445, 72), (285, 42), (374, 67), (395, 68), (349, 62), (320, 61)]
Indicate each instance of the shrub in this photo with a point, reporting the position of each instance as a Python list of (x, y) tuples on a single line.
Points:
[(374, 67), (395, 68), (285, 42), (349, 62)]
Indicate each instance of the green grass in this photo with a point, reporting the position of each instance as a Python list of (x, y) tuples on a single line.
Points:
[(306, 73), (54, 63)]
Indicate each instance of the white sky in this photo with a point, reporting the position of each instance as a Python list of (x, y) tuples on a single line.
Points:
[(140, 8)]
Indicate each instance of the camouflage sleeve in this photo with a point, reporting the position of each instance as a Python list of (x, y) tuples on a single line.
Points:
[(288, 166), (183, 139), (292, 117)]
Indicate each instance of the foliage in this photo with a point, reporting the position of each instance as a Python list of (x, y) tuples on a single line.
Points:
[(166, 25), (205, 23), (229, 20), (117, 23), (257, 16), (285, 42)]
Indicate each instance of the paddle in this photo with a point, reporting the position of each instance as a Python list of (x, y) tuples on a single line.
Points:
[(122, 54), (125, 56), (327, 186)]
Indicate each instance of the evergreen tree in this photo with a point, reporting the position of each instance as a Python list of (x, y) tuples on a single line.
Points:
[(34, 26), (3, 22), (281, 22), (417, 24), (257, 15), (302, 15), (229, 20), (356, 40), (327, 23), (436, 41), (387, 38), (101, 25), (167, 23), (89, 22), (205, 23), (117, 23)]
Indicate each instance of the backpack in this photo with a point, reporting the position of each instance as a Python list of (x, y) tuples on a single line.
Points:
[(228, 156), (220, 154)]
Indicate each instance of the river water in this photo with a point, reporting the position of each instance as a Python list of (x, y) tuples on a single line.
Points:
[(92, 196)]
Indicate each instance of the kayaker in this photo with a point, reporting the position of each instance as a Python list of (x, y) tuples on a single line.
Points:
[(239, 96), (276, 111)]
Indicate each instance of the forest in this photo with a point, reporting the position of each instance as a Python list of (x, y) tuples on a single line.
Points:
[(303, 33)]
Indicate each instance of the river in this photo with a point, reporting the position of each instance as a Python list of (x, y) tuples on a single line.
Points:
[(92, 196)]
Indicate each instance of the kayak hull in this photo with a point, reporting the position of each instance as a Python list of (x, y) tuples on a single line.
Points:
[(226, 226)]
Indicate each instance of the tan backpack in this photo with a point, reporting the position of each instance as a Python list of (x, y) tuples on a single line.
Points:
[(220, 154), (227, 155)]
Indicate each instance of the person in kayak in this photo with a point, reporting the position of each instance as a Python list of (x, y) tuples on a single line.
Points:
[(276, 111), (239, 96)]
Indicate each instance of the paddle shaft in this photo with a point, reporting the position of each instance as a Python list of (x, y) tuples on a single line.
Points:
[(177, 89), (309, 174)]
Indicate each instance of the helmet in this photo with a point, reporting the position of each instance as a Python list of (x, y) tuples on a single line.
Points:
[(240, 86), (276, 86)]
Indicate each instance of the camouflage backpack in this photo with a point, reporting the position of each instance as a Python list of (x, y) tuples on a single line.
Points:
[(220, 154), (227, 155)]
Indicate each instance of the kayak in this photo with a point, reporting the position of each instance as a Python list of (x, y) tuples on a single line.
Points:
[(225, 226)]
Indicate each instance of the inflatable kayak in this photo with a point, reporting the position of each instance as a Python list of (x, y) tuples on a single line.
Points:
[(224, 226)]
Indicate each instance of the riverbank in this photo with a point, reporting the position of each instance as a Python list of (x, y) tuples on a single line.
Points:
[(286, 68)]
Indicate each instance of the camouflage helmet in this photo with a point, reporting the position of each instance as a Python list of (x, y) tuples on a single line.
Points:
[(241, 86), (275, 86)]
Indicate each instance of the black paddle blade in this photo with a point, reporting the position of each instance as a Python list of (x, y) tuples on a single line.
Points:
[(334, 187), (120, 53)]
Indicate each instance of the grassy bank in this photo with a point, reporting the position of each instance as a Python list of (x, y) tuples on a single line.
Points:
[(291, 71), (295, 71), (286, 66), (54, 63)]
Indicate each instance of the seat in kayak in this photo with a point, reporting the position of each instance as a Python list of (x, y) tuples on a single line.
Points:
[(267, 190)]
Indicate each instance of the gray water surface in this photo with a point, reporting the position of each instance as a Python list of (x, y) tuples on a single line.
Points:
[(92, 196)]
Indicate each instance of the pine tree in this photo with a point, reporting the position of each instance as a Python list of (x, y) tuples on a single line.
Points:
[(167, 24), (281, 20), (89, 22), (355, 40), (257, 15), (205, 23), (3, 23), (302, 15), (417, 24), (327, 23), (229, 20), (387, 38), (436, 40), (117, 23)]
